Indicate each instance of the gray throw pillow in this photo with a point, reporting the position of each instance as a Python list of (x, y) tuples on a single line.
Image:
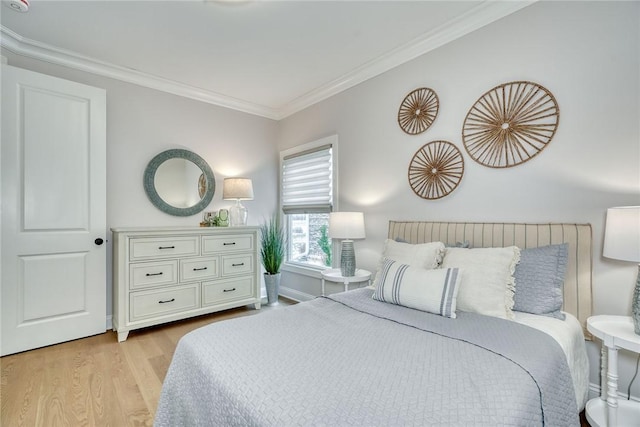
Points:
[(465, 245), (539, 278)]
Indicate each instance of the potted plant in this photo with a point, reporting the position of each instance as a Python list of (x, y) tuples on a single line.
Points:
[(272, 250)]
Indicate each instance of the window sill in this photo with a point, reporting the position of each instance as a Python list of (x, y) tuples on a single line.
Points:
[(304, 270)]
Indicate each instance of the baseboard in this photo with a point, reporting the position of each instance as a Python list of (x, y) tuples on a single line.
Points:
[(594, 391), (295, 295)]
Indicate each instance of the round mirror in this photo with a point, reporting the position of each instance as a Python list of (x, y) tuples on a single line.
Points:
[(179, 182)]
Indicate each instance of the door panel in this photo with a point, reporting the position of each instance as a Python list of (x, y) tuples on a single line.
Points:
[(40, 300), (55, 173), (53, 169)]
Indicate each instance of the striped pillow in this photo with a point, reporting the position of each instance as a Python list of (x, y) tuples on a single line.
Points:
[(433, 291)]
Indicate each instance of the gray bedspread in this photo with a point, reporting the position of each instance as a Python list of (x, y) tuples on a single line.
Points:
[(351, 360)]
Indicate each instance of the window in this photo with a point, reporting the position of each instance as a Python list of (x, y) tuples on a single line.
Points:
[(307, 196)]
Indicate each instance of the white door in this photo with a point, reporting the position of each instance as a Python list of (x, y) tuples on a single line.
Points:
[(53, 192)]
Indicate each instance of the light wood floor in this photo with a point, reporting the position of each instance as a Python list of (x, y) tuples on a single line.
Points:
[(96, 381)]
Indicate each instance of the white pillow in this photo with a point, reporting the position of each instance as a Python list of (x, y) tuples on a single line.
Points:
[(423, 255), (487, 285), (433, 291)]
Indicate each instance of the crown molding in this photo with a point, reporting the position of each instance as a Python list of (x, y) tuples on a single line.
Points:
[(478, 17), (481, 15), (19, 45)]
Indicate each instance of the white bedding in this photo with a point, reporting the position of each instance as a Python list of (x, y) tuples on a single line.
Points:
[(568, 333)]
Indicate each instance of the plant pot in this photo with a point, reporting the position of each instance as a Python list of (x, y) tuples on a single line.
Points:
[(272, 283)]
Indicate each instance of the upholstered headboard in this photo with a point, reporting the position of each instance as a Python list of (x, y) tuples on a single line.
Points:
[(577, 285)]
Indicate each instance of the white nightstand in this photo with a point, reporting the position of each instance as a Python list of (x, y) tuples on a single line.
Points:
[(334, 275), (615, 332)]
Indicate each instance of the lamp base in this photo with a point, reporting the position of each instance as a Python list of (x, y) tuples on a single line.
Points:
[(635, 305), (347, 259), (238, 214)]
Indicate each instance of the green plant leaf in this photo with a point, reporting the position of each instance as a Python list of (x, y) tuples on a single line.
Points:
[(272, 245)]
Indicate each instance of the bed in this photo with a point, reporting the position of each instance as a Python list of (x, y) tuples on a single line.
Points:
[(353, 359)]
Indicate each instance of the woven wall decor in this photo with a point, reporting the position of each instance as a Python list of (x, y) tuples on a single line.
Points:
[(436, 170), (418, 111), (510, 124), (202, 185)]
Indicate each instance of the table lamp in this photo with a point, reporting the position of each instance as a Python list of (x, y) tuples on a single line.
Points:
[(622, 242), (237, 189), (347, 226)]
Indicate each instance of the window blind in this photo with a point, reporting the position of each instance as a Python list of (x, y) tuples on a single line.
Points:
[(307, 181)]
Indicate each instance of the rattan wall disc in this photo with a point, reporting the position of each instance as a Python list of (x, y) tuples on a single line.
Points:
[(510, 124), (418, 111), (436, 170)]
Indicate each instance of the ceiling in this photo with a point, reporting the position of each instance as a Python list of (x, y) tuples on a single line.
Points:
[(269, 58)]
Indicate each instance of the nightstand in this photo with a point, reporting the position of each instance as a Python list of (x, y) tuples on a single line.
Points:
[(615, 332), (334, 275)]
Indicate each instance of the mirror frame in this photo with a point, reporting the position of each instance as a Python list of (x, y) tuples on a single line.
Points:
[(152, 193)]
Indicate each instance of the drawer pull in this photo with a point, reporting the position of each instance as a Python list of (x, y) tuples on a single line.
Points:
[(169, 300), (153, 274), (166, 247), (229, 290), (200, 269), (228, 243), (237, 265)]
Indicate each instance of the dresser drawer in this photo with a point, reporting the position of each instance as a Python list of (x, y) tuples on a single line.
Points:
[(198, 268), (229, 243), (226, 290), (147, 274), (156, 302), (237, 264), (163, 247)]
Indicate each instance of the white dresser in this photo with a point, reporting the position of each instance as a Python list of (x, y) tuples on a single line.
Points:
[(171, 273)]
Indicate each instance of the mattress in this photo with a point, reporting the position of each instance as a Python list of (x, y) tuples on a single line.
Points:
[(568, 334)]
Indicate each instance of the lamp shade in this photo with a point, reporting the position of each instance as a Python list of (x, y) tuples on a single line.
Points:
[(622, 234), (237, 189), (346, 225)]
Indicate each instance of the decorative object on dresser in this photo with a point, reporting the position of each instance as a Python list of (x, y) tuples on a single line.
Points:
[(171, 273), (209, 219), (418, 110), (223, 218), (436, 170), (622, 242), (238, 189), (272, 252), (347, 226), (179, 182), (215, 219), (510, 124)]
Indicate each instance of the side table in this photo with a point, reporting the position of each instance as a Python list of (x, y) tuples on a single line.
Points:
[(615, 332), (334, 275)]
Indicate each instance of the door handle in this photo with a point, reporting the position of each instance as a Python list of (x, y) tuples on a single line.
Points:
[(98, 241)]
